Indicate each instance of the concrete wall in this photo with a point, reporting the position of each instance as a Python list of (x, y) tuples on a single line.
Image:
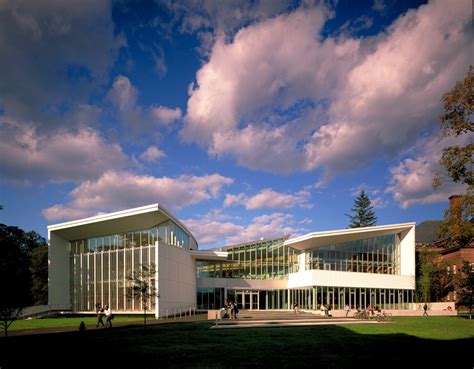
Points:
[(248, 284), (407, 252), (176, 280), (58, 272), (348, 279)]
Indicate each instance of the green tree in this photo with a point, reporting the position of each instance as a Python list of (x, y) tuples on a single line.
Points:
[(465, 285), (38, 263), (456, 121), (142, 287), (424, 281), (363, 214), (19, 272), (443, 282), (458, 224)]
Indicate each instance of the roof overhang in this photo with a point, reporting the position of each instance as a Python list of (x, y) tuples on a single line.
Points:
[(208, 255), (321, 239), (129, 220)]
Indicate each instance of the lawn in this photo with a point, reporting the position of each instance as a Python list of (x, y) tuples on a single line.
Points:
[(431, 342), (66, 322)]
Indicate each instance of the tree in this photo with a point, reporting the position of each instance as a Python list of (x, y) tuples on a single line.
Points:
[(465, 285), (442, 283), (458, 226), (142, 287), (18, 272), (38, 263), (455, 121), (7, 316), (364, 215), (425, 268)]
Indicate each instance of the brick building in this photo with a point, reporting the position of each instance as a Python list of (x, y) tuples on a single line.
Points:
[(452, 256)]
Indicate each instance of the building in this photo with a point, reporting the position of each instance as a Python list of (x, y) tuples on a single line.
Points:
[(90, 259), (444, 251)]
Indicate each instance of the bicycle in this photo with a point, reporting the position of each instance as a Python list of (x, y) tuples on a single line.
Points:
[(362, 314), (384, 317)]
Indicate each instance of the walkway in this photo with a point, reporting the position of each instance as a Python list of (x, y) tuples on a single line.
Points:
[(254, 319)]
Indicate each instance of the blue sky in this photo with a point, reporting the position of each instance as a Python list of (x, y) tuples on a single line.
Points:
[(244, 119)]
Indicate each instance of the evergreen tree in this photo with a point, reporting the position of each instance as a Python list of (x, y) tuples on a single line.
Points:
[(363, 212)]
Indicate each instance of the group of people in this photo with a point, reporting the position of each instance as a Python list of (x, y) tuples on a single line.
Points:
[(230, 310), (101, 311), (326, 309)]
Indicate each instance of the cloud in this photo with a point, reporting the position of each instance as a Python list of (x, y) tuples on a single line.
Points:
[(116, 190), (213, 18), (374, 193), (166, 115), (411, 180), (280, 97), (54, 54), (267, 198), (124, 97), (64, 156), (152, 154), (214, 229), (395, 92)]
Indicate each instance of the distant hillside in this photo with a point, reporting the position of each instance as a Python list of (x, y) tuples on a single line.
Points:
[(426, 231)]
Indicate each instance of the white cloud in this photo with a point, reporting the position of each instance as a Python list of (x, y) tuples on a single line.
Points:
[(394, 92), (231, 199), (64, 156), (411, 180), (152, 154), (374, 193), (54, 54), (124, 96), (116, 190), (281, 98), (270, 199), (166, 115), (211, 229)]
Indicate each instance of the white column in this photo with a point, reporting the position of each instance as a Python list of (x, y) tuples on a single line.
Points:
[(157, 278)]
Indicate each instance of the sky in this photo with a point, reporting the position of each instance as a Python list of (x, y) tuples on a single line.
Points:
[(244, 119)]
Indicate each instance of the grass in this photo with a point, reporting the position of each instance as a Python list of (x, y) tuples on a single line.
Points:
[(409, 341), (65, 322)]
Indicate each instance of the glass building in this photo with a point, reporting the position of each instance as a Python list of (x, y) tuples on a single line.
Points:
[(91, 261)]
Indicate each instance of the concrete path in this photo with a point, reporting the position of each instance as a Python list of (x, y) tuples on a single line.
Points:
[(288, 323)]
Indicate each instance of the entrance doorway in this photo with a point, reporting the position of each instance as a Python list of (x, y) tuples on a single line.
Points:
[(247, 299)]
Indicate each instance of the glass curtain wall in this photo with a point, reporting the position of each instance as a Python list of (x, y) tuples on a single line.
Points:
[(101, 277), (386, 299), (269, 259), (311, 298), (100, 265), (372, 255)]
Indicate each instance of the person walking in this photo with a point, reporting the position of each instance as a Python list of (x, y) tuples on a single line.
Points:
[(100, 312), (109, 316), (425, 309)]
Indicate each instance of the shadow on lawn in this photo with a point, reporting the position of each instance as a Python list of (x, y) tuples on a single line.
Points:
[(193, 345)]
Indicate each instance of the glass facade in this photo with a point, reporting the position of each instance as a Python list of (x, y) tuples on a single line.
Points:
[(310, 298), (100, 265), (372, 255), (167, 232), (101, 277), (266, 259), (271, 259)]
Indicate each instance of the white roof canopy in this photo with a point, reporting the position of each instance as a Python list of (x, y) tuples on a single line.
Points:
[(326, 238)]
